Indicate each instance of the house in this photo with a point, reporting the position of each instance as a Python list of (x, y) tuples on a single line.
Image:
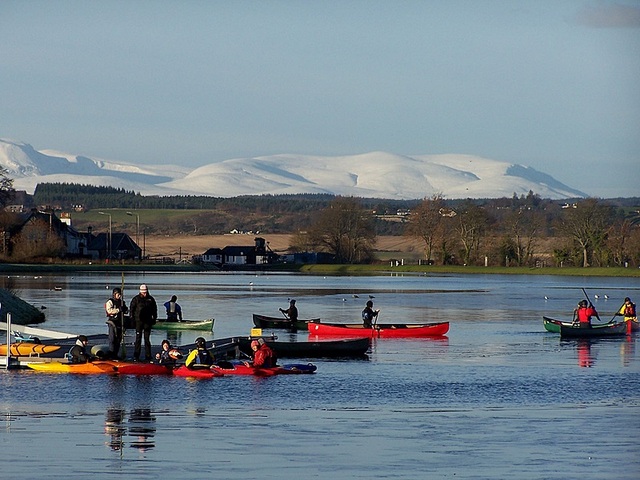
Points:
[(38, 227), (213, 256), (122, 247), (238, 256)]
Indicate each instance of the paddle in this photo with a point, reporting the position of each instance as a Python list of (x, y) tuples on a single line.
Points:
[(123, 348), (615, 314), (589, 300)]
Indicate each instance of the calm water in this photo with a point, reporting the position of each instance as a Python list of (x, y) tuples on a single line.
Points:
[(497, 398)]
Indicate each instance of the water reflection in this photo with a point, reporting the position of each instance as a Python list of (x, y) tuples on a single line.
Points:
[(114, 428), (585, 360), (141, 427), (627, 350)]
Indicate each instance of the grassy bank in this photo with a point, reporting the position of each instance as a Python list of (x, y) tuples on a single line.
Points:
[(439, 269), (326, 269)]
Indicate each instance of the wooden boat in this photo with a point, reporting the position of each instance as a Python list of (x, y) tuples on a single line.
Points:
[(27, 349), (99, 367), (356, 347), (263, 321), (185, 325), (183, 371), (240, 368), (605, 330), (380, 330)]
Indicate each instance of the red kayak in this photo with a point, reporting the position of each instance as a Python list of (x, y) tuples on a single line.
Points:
[(380, 330), (183, 371), (240, 368), (137, 368)]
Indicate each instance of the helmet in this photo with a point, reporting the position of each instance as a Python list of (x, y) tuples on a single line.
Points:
[(369, 303), (201, 342), (117, 290)]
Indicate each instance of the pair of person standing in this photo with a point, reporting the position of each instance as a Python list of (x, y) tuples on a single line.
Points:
[(144, 312)]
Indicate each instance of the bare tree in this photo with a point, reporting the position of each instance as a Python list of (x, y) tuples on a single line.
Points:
[(425, 222), (345, 230), (471, 221), (523, 226), (587, 225)]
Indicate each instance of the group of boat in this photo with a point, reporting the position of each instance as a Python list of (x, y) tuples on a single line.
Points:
[(325, 340), (574, 330)]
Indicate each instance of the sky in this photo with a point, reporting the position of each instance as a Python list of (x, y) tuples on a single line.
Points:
[(550, 84)]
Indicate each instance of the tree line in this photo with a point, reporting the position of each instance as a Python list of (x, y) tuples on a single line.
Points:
[(518, 231)]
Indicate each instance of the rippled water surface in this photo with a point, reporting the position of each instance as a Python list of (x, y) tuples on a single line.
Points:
[(498, 397)]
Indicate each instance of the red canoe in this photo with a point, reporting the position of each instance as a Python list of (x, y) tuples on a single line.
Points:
[(381, 330)]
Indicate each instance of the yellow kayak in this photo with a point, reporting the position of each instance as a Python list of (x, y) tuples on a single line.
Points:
[(25, 349), (105, 366)]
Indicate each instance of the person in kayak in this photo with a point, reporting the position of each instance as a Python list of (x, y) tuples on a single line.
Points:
[(263, 356), (291, 313), (173, 309), (144, 311), (78, 353), (583, 313), (200, 357), (115, 308), (169, 354), (369, 315)]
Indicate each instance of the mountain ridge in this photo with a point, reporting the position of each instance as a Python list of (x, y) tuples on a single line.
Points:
[(371, 175)]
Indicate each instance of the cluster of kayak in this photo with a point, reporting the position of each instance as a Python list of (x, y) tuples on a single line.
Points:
[(113, 367)]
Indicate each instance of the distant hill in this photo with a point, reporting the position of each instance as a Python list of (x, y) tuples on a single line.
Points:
[(371, 175)]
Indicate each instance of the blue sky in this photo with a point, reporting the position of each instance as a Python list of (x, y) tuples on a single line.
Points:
[(551, 84)]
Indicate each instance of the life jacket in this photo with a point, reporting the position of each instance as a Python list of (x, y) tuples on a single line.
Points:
[(204, 358)]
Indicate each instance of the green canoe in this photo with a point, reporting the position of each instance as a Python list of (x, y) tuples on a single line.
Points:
[(185, 325)]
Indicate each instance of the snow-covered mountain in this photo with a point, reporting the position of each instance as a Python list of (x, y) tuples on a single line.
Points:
[(374, 175)]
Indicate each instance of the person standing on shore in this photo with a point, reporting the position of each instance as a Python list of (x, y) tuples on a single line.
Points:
[(144, 312)]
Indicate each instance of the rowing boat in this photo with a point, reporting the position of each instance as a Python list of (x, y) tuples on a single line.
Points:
[(352, 347), (606, 330), (27, 349), (185, 325), (384, 330), (263, 321)]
